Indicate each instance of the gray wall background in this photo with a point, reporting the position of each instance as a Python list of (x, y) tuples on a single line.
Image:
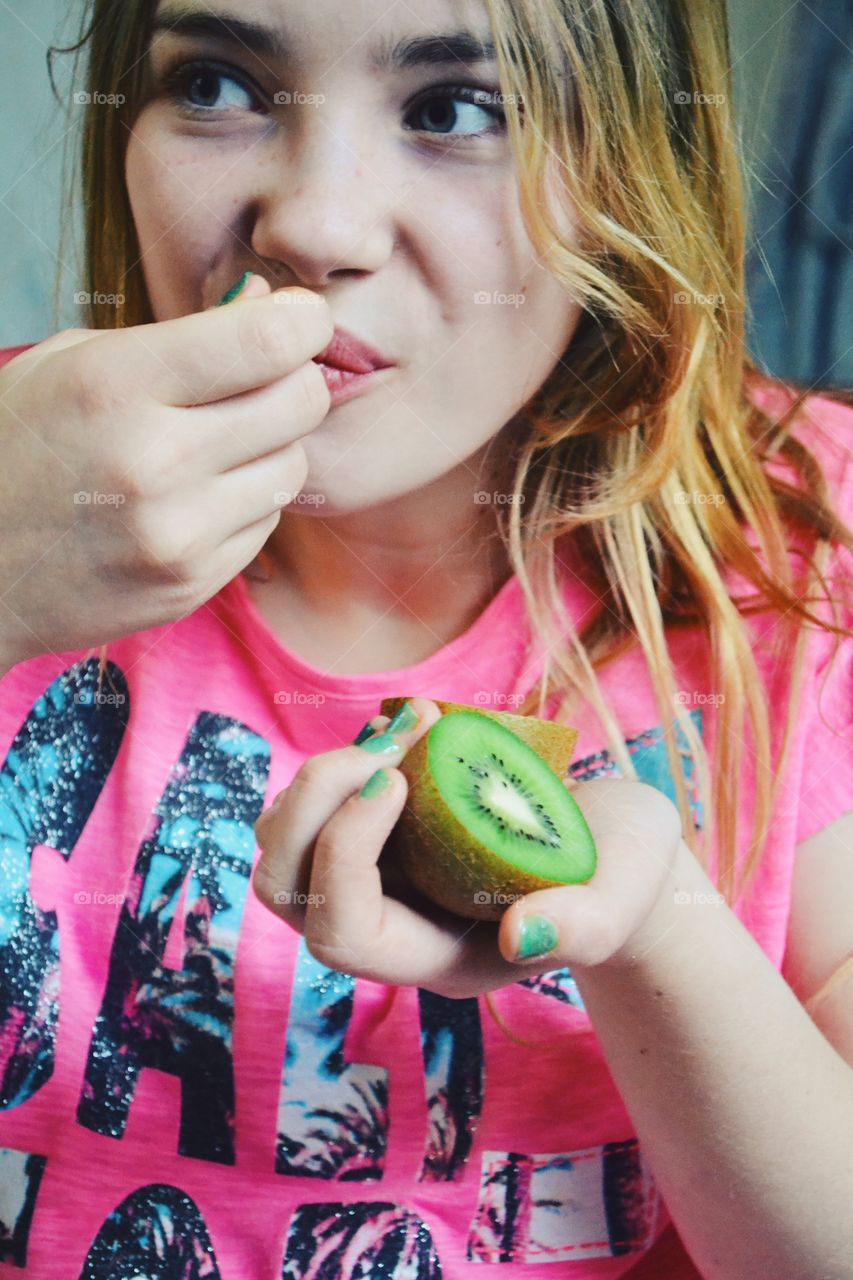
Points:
[(767, 42)]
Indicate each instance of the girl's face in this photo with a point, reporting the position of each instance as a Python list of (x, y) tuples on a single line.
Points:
[(353, 151)]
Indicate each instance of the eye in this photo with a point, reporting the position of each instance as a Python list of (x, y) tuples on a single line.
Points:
[(198, 87), (457, 110)]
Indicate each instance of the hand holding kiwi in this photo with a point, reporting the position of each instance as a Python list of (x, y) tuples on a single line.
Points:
[(330, 870), (488, 817)]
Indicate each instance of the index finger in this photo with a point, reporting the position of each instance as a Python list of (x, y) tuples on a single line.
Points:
[(221, 352)]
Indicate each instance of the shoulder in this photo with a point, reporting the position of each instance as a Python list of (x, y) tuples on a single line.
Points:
[(823, 424)]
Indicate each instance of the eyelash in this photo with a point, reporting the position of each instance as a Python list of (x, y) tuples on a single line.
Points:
[(174, 79)]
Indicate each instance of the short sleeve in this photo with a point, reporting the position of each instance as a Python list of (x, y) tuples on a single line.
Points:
[(826, 783)]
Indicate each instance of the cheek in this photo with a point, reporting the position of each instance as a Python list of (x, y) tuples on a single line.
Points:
[(179, 234), (512, 320)]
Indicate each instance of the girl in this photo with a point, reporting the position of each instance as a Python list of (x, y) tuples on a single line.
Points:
[(479, 427)]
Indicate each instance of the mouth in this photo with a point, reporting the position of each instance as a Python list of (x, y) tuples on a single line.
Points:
[(348, 365), (349, 353)]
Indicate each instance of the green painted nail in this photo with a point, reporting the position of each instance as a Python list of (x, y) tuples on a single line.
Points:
[(406, 718), (377, 782), (382, 744), (235, 290), (363, 734), (538, 936)]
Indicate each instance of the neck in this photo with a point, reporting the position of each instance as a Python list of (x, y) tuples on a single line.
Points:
[(387, 587)]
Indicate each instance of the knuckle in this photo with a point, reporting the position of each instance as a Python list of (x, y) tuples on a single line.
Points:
[(332, 956), (166, 542), (136, 480), (96, 393), (268, 889), (313, 773), (262, 330), (330, 843)]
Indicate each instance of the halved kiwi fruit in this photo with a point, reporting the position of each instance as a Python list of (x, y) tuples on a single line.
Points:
[(488, 817)]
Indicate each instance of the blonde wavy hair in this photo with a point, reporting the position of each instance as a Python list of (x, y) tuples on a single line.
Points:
[(621, 121)]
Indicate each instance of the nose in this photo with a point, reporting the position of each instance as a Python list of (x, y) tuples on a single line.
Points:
[(325, 209)]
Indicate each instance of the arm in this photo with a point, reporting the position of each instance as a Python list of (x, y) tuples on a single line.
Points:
[(744, 1108)]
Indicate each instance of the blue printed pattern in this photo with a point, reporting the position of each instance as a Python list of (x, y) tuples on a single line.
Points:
[(157, 1233), (20, 1176), (181, 1022), (452, 1046), (333, 1119), (356, 1241), (651, 763), (333, 1114), (559, 984), (594, 1203), (51, 779)]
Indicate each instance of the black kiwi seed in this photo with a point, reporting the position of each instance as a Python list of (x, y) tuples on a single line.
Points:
[(481, 770)]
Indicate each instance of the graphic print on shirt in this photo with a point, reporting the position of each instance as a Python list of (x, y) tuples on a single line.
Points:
[(333, 1118), (454, 1072), (354, 1241), (157, 1233), (53, 774), (333, 1114), (596, 1203), (20, 1177), (180, 1021)]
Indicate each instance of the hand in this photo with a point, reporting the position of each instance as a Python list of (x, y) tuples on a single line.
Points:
[(143, 468), (321, 843)]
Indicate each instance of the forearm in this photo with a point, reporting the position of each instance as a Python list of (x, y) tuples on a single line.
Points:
[(744, 1109)]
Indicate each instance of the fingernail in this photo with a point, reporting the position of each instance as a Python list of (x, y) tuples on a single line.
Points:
[(363, 734), (235, 290), (537, 937), (381, 744), (406, 718), (377, 782)]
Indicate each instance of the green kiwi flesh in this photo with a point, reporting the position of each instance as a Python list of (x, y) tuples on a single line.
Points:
[(487, 819)]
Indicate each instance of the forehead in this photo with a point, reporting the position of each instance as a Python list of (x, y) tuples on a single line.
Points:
[(385, 35)]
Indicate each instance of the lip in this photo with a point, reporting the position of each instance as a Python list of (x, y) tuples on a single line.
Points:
[(350, 354), (343, 384)]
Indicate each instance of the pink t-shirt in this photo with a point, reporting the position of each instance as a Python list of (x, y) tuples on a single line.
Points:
[(186, 1092)]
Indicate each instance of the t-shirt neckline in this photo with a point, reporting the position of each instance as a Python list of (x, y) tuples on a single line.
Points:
[(464, 650)]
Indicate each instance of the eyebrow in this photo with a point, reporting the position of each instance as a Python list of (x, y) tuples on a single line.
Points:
[(414, 51)]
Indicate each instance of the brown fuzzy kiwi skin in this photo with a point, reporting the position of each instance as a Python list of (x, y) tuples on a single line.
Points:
[(439, 857)]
